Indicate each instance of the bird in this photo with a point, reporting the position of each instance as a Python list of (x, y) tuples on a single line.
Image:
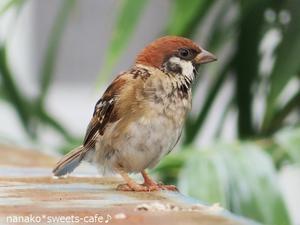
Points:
[(140, 117)]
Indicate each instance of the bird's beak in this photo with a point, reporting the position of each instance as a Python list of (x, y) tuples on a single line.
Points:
[(204, 57)]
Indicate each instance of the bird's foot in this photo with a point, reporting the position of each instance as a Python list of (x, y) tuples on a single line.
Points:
[(158, 186), (168, 187), (136, 187), (151, 184), (146, 187)]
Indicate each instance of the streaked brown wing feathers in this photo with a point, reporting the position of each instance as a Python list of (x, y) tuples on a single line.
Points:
[(105, 112), (108, 107)]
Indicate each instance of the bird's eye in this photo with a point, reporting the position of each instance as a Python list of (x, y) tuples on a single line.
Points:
[(185, 53)]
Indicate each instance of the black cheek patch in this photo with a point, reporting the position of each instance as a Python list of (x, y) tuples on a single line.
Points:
[(173, 67)]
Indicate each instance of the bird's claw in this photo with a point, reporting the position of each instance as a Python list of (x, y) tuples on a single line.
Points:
[(145, 187), (136, 187)]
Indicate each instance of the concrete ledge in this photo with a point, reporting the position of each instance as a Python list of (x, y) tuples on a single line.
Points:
[(32, 194)]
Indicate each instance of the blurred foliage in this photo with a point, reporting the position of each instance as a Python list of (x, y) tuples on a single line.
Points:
[(32, 113), (128, 18), (6, 5), (241, 176), (286, 148)]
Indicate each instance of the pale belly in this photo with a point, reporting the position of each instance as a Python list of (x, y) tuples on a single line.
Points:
[(141, 146)]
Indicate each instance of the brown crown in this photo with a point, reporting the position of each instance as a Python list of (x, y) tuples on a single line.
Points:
[(156, 52)]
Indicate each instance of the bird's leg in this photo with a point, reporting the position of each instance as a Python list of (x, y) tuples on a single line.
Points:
[(147, 179), (130, 184), (152, 185)]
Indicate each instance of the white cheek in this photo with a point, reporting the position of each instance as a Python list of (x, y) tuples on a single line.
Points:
[(186, 66)]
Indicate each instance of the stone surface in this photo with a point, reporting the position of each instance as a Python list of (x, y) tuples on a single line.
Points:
[(29, 194)]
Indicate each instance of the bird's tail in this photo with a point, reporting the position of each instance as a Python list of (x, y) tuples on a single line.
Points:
[(69, 162)]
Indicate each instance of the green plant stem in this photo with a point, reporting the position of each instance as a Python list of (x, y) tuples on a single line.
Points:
[(2, 94), (22, 105), (46, 118), (11, 91)]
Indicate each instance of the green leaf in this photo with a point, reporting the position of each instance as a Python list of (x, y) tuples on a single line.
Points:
[(12, 92), (10, 4), (193, 126), (2, 93), (219, 35), (247, 61), (170, 166), (48, 66), (280, 115), (287, 63), (127, 20), (49, 120), (239, 176), (28, 112), (205, 177), (288, 140), (224, 32), (185, 17)]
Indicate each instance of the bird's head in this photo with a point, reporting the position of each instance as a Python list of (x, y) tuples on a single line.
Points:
[(174, 54)]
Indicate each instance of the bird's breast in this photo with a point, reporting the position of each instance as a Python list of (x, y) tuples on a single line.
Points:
[(167, 95), (146, 140)]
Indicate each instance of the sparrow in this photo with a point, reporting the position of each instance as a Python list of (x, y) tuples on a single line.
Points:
[(140, 117)]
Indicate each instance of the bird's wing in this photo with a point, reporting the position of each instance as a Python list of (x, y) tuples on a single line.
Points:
[(105, 112), (110, 108)]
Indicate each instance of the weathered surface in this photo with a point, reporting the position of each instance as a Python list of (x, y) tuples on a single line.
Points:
[(32, 194)]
